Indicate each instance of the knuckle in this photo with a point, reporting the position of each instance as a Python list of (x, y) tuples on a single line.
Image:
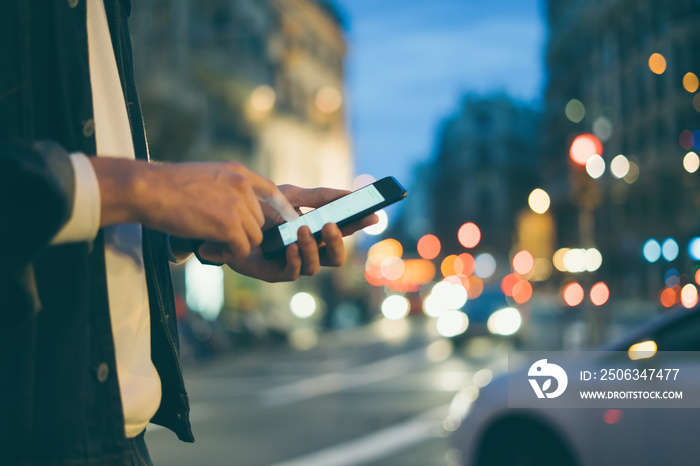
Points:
[(234, 166)]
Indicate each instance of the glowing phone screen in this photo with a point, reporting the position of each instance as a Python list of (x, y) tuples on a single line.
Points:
[(334, 212)]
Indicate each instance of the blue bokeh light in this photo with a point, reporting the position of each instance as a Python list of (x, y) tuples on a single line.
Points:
[(694, 248), (670, 249), (651, 250)]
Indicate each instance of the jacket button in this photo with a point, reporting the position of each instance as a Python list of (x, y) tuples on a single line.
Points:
[(89, 128), (102, 372), (72, 3)]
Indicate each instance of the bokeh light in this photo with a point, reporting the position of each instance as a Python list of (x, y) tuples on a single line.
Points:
[(465, 264), (694, 248), (449, 294), (328, 99), (584, 147), (612, 416), (508, 282), (599, 294), (642, 350), (691, 162), (686, 139), (395, 307), (696, 102), (632, 174), (447, 267), (485, 265), (669, 249), (558, 259), (379, 227), (504, 321), (657, 63), (594, 259), (303, 305), (469, 235), (668, 297), (392, 268), (476, 287), (672, 278), (523, 262), (522, 291), (429, 247), (263, 98), (573, 294), (452, 323), (575, 111), (539, 201), (690, 82), (620, 166), (689, 296), (651, 250), (603, 128), (595, 166)]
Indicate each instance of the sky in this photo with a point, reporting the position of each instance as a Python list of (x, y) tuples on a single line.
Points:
[(410, 61)]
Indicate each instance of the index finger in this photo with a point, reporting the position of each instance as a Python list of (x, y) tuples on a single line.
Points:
[(315, 197), (268, 192)]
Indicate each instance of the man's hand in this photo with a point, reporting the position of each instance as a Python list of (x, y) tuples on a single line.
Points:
[(302, 258), (213, 201)]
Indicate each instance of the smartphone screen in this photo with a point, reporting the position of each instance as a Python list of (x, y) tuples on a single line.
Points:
[(340, 209)]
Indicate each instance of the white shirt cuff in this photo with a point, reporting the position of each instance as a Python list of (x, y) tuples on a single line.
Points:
[(84, 222)]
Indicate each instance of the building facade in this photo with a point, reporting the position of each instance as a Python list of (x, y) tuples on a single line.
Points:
[(484, 168), (600, 54)]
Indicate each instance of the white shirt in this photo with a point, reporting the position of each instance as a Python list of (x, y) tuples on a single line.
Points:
[(139, 383)]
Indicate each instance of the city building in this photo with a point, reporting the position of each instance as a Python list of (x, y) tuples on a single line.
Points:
[(626, 72), (484, 167)]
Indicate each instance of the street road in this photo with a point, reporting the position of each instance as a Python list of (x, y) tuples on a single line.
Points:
[(373, 396)]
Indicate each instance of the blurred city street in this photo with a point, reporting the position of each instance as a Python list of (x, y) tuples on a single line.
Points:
[(375, 395)]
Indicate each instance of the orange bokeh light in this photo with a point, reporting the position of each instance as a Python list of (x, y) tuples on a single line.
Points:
[(469, 235), (668, 297), (385, 248), (522, 291), (508, 283), (584, 147), (448, 266), (690, 82), (429, 247), (697, 277), (657, 63), (523, 262), (476, 287), (573, 294), (465, 264), (600, 294), (373, 280)]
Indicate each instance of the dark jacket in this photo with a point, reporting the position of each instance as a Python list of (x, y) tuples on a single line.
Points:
[(59, 394)]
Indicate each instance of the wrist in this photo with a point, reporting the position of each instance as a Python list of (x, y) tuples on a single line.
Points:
[(123, 190)]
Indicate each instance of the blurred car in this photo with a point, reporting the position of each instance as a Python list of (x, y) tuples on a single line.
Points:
[(492, 315), (488, 433)]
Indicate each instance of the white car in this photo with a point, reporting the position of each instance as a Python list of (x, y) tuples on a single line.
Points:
[(488, 433)]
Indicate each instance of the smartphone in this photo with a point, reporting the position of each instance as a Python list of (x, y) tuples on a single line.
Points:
[(342, 211)]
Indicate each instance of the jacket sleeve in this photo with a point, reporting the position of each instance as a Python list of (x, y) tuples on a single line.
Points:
[(37, 186)]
